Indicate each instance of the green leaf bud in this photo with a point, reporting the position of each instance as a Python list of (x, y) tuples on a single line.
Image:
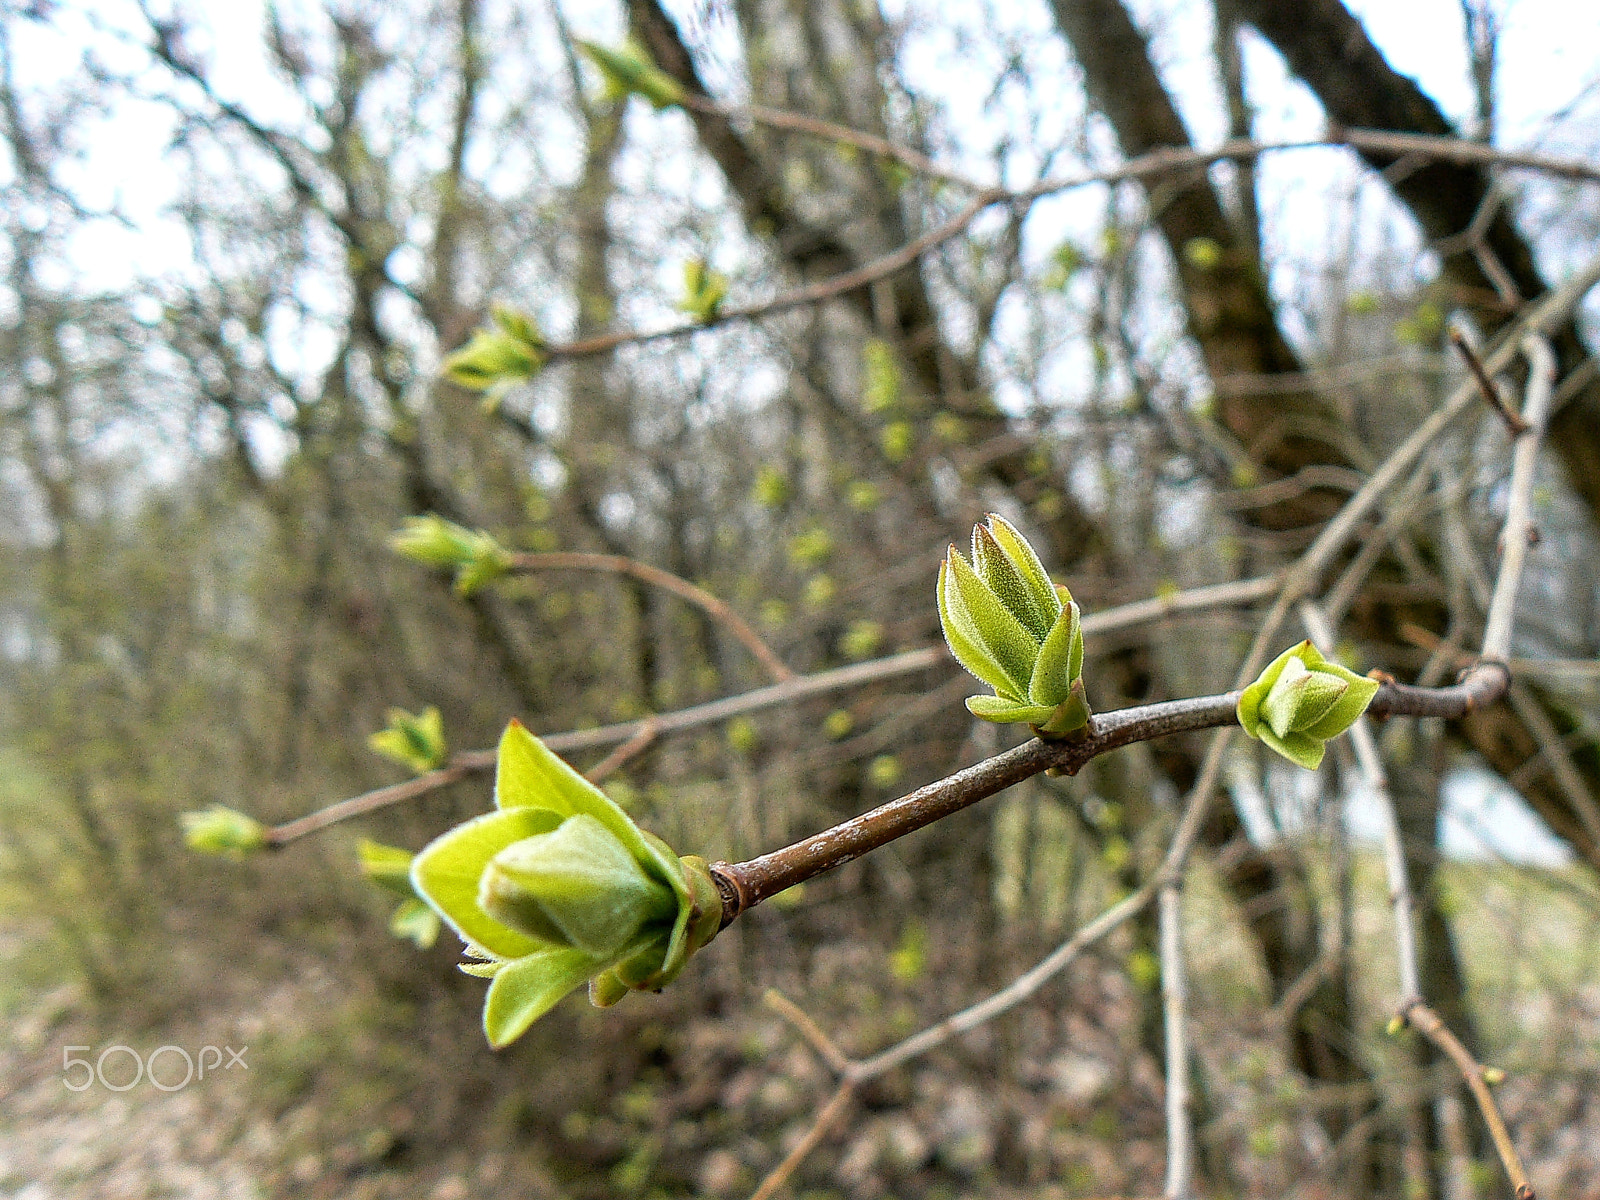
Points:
[(413, 741), (476, 556), (1007, 623), (559, 886), (511, 350), (703, 290), (574, 886), (225, 831), (1300, 701)]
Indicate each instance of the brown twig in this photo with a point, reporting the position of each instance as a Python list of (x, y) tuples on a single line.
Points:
[(831, 1111), (1426, 1022), (1158, 163), (824, 1045), (816, 127), (617, 564), (1515, 424), (629, 749)]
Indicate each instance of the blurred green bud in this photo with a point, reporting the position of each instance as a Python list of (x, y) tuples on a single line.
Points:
[(863, 495), (225, 831), (389, 867), (1300, 701), (897, 439), (475, 555), (559, 886), (884, 771), (770, 489), (811, 548), (838, 724), (861, 640), (1202, 253), (1493, 1076), (881, 390), (628, 71), (1015, 630), (413, 741), (703, 290), (507, 352)]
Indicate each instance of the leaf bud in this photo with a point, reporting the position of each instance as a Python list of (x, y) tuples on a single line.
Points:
[(225, 831), (1300, 701)]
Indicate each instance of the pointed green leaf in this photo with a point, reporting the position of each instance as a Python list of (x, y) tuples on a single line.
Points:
[(1003, 711), (529, 774), (387, 866), (447, 871), (1027, 562), (1299, 748), (1249, 706), (974, 606), (527, 988), (1053, 672), (1071, 714), (964, 640), (1348, 707), (1006, 581)]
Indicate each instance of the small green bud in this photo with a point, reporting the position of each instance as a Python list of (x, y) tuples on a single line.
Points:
[(703, 290), (1395, 1027), (1300, 701), (1010, 626), (413, 741), (882, 385), (389, 867), (475, 555), (1493, 1076), (628, 71), (225, 831), (508, 352), (1202, 253)]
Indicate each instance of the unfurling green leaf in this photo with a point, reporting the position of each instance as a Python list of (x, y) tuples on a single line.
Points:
[(628, 71), (1010, 626), (225, 831), (507, 352), (474, 555), (559, 886), (1300, 701), (413, 741)]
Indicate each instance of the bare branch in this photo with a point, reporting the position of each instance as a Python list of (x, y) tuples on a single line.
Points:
[(617, 564)]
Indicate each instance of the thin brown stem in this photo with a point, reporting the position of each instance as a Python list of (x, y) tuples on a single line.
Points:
[(629, 749), (1515, 424), (831, 1111), (1425, 1021), (617, 564)]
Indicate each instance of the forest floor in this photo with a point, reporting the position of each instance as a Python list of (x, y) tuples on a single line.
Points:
[(1055, 1101)]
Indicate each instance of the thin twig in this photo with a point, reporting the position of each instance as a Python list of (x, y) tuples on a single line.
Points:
[(1158, 163), (1423, 1019), (816, 127), (1174, 1004), (824, 1045), (801, 687), (629, 749), (1519, 507), (1515, 424), (1394, 858), (819, 1129), (617, 564)]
